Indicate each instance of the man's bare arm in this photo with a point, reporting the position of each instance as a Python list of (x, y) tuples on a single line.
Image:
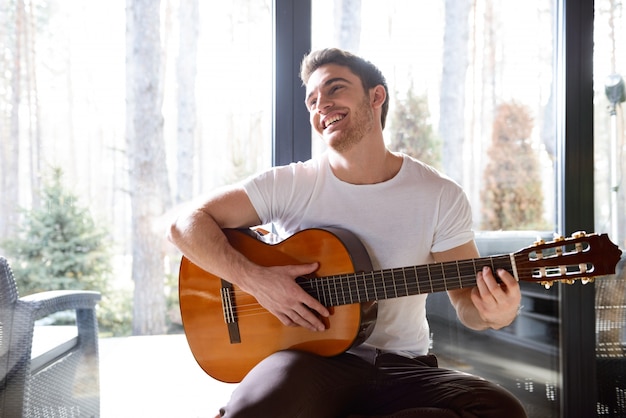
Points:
[(197, 232), (488, 305)]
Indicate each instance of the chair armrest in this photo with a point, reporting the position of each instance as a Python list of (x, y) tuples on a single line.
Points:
[(46, 303), (46, 348)]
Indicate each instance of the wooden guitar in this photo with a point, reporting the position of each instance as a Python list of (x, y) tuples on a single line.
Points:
[(229, 332)]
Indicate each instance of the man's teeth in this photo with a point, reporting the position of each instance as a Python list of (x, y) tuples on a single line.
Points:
[(332, 120)]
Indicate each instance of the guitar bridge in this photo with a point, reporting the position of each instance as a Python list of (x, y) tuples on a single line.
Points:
[(230, 312)]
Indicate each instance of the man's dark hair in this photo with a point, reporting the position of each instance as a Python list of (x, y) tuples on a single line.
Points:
[(369, 74)]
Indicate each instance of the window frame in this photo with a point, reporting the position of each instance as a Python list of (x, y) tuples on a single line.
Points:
[(291, 131), (576, 207)]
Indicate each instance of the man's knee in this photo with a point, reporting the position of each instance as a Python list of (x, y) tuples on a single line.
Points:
[(491, 401), (282, 385)]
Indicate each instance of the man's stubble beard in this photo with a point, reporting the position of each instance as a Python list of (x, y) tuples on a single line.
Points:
[(361, 124)]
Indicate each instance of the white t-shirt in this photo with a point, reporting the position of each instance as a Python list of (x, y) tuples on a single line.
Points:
[(400, 222)]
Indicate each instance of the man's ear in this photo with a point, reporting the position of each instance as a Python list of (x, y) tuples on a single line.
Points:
[(378, 96)]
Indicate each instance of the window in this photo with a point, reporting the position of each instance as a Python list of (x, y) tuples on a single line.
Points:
[(610, 201), (72, 113), (65, 101), (474, 93)]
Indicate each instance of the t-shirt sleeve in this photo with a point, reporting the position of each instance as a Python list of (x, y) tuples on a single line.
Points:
[(281, 193), (260, 191), (454, 226)]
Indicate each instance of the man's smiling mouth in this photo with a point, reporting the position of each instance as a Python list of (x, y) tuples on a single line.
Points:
[(332, 119)]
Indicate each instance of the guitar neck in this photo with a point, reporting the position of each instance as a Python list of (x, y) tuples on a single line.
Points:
[(363, 287)]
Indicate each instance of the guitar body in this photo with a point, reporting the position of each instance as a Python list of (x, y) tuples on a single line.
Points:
[(228, 351)]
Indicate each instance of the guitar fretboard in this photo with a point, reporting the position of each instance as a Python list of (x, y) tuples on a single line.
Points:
[(362, 287)]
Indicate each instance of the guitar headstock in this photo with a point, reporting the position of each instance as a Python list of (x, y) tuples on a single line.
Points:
[(581, 256)]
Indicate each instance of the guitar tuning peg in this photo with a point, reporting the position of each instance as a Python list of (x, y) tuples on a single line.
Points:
[(568, 281), (579, 234), (547, 284), (559, 238), (539, 242), (586, 280)]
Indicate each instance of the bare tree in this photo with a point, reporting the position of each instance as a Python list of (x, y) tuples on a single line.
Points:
[(186, 77), (146, 158), (348, 24), (10, 144), (32, 98), (452, 102)]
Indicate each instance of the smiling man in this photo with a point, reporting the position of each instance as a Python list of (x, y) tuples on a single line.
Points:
[(404, 212)]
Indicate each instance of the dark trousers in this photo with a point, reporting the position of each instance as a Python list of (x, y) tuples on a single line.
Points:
[(294, 384)]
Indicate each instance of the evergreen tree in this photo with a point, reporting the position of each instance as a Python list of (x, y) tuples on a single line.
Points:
[(512, 195), (412, 132), (59, 246)]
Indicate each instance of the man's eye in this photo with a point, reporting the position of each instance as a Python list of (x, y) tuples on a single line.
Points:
[(312, 103)]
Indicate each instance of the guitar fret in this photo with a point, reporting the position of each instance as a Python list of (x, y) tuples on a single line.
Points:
[(356, 292), (375, 286), (362, 290), (430, 280), (417, 280), (343, 295), (349, 287), (367, 298), (395, 287), (388, 284), (467, 271), (327, 292), (475, 268), (383, 287), (443, 275), (450, 271), (406, 285)]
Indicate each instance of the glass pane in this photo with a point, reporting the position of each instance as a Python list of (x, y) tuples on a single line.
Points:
[(473, 94), (66, 101), (610, 202)]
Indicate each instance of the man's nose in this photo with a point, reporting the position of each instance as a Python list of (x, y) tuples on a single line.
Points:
[(323, 102)]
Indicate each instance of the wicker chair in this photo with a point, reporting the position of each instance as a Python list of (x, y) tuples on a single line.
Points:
[(61, 381)]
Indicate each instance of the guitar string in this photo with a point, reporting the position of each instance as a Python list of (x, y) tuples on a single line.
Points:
[(438, 280), (253, 306), (383, 289), (412, 285)]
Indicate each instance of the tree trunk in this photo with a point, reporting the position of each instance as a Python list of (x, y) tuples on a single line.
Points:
[(32, 94), (10, 149), (146, 157), (186, 77), (348, 24), (452, 102)]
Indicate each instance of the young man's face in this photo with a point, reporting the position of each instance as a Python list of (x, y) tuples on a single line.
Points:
[(339, 108)]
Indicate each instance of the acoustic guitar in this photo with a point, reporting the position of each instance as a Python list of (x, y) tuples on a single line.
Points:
[(229, 332)]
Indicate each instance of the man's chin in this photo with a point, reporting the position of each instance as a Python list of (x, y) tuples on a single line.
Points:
[(340, 144)]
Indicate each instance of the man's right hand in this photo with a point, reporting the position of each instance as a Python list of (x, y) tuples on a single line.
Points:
[(275, 288)]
